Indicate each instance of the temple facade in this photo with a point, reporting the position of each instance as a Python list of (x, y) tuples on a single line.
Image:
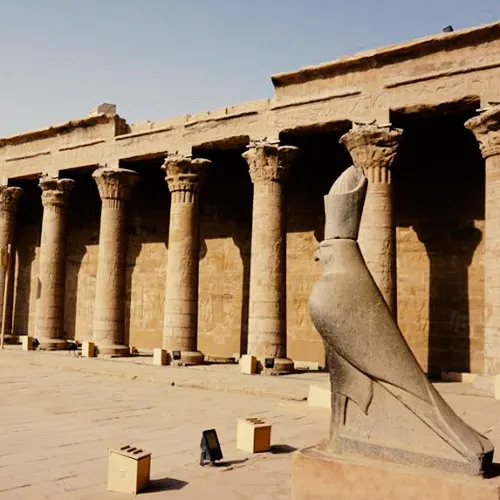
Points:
[(197, 234)]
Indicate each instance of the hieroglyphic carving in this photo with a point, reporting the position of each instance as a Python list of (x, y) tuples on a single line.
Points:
[(269, 165), (49, 328), (114, 186), (9, 202), (180, 324), (486, 128)]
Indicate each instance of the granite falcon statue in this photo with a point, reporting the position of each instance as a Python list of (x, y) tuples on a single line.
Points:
[(383, 405)]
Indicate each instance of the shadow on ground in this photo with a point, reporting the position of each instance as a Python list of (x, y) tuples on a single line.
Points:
[(164, 484)]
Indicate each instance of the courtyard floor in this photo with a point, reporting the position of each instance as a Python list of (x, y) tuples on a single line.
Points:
[(60, 414)]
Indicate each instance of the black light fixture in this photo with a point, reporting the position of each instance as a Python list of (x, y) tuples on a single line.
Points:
[(176, 355), (210, 448), (448, 29), (269, 362)]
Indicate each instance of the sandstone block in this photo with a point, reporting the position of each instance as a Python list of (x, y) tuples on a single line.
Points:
[(320, 476), (159, 357), (248, 364), (253, 435), (88, 349), (320, 396), (26, 343)]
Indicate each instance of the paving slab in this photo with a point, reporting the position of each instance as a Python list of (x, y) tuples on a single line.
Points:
[(60, 414)]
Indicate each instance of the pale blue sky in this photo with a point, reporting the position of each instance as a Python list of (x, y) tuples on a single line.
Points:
[(159, 58)]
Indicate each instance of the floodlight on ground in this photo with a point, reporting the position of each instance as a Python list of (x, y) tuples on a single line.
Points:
[(269, 362), (210, 448), (176, 355)]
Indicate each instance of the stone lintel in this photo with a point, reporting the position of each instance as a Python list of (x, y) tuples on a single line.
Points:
[(9, 198), (268, 161), (372, 146), (55, 191), (115, 183), (184, 173), (486, 128)]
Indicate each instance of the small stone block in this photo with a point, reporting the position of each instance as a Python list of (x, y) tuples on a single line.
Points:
[(248, 364), (320, 396), (26, 343), (159, 357), (323, 476), (88, 349), (253, 435), (129, 469), (306, 365)]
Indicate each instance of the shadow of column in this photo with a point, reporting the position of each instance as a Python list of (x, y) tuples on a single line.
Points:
[(26, 251), (450, 246), (76, 250), (242, 240)]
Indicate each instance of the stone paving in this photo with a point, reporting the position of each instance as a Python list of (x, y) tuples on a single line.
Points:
[(59, 415)]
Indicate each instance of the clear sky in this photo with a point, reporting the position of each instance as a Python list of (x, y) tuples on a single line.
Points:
[(156, 59)]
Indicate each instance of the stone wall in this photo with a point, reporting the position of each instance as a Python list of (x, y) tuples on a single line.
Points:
[(439, 192)]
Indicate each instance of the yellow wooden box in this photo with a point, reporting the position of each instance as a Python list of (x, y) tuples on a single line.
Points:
[(253, 435), (129, 469)]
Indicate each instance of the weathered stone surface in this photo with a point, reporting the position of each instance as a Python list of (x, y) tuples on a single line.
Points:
[(374, 150), (268, 165), (52, 263), (383, 405), (486, 129), (109, 313), (9, 201), (436, 82), (180, 322), (347, 477)]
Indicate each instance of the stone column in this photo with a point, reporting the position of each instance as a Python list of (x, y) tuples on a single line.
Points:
[(180, 322), (374, 149), (486, 129), (49, 329), (9, 201), (115, 186), (268, 164)]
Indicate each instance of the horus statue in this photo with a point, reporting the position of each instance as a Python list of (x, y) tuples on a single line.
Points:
[(383, 405)]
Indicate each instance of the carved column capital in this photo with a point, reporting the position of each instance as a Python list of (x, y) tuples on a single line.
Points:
[(185, 174), (372, 146), (55, 191), (115, 184), (486, 128), (269, 162), (9, 198)]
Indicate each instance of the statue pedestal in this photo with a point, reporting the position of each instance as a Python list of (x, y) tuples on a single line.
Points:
[(320, 476)]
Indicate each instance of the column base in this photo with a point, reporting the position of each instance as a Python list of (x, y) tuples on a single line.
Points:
[(359, 478), (113, 350), (282, 366), (186, 358), (51, 344)]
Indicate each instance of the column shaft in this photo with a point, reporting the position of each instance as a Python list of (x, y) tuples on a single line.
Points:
[(486, 128), (492, 267), (267, 308), (269, 164), (9, 197), (49, 325), (181, 289), (109, 311), (377, 234), (180, 322)]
